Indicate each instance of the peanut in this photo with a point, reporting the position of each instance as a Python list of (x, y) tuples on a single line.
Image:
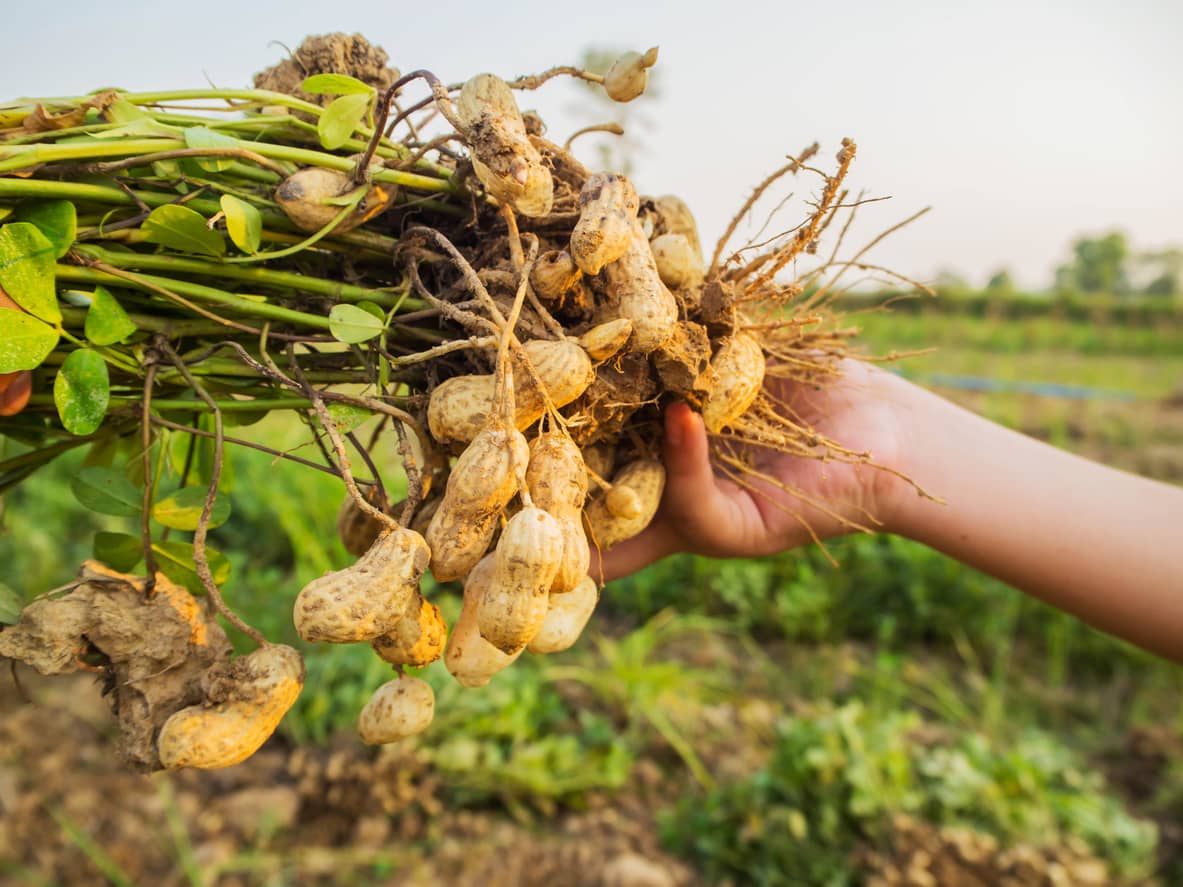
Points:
[(245, 701), (471, 659), (608, 205), (553, 274), (628, 76), (677, 263), (481, 484), (643, 298), (460, 407), (645, 480), (557, 480), (398, 709), (738, 371), (606, 339), (527, 560), (363, 601), (417, 639), (566, 618), (304, 197)]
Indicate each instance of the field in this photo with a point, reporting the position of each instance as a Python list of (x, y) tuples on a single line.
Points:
[(897, 719)]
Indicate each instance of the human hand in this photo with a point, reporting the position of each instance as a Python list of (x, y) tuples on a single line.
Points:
[(790, 500)]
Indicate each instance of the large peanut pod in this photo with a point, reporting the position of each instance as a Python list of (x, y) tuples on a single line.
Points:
[(678, 265), (481, 483), (644, 479), (608, 205), (566, 618), (417, 639), (398, 709), (737, 377), (503, 157), (557, 480), (471, 659), (633, 279), (367, 599), (514, 604), (459, 407), (245, 701), (304, 197)]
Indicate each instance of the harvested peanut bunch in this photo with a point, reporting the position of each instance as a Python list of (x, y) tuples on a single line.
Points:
[(392, 256)]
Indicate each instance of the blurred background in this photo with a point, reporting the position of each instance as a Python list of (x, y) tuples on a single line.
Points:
[(894, 719)]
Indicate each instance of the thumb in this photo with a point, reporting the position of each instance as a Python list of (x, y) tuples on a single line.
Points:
[(686, 454)]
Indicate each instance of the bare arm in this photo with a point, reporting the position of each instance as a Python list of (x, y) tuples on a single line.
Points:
[(1099, 543)]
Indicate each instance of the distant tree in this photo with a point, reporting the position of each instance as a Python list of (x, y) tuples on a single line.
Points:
[(1000, 283), (950, 283), (1159, 273), (1098, 265)]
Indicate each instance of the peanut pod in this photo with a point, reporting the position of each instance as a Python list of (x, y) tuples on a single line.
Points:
[(608, 205), (398, 709), (643, 298), (481, 483), (366, 600), (566, 618), (471, 659), (606, 339), (644, 479), (311, 199), (417, 639), (527, 560), (738, 375), (245, 701), (557, 480)]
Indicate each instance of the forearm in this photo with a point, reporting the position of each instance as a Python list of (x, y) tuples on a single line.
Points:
[(1099, 543)]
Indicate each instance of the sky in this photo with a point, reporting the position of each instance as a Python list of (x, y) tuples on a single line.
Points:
[(1024, 125)]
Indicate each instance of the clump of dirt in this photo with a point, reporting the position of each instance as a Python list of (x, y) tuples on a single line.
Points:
[(923, 855), (151, 650), (335, 53)]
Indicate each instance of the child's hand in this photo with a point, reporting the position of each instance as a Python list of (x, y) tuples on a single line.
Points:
[(708, 513)]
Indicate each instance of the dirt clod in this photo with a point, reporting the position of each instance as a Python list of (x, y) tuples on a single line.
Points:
[(335, 53)]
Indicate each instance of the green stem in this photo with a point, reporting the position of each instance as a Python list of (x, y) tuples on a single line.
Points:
[(267, 277), (197, 406), (195, 291), (76, 318)]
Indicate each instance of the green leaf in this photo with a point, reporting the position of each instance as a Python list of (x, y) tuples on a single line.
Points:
[(340, 119), (56, 219), (82, 391), (373, 308), (351, 324), (10, 606), (175, 560), (107, 491), (27, 262), (347, 417), (335, 84), (244, 223), (180, 228), (106, 321), (25, 341), (204, 137), (123, 111), (182, 510), (119, 551)]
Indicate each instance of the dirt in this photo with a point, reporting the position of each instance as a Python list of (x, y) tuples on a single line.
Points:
[(335, 53), (151, 651), (309, 815)]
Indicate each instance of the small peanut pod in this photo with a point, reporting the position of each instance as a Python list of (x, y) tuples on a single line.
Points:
[(557, 480), (503, 157), (417, 639), (600, 459), (367, 599), (305, 196), (629, 75), (566, 618), (481, 483), (608, 205), (738, 375), (675, 217), (471, 659), (644, 481), (553, 274), (459, 408), (606, 339), (398, 709), (514, 604), (643, 298), (678, 264), (245, 701)]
